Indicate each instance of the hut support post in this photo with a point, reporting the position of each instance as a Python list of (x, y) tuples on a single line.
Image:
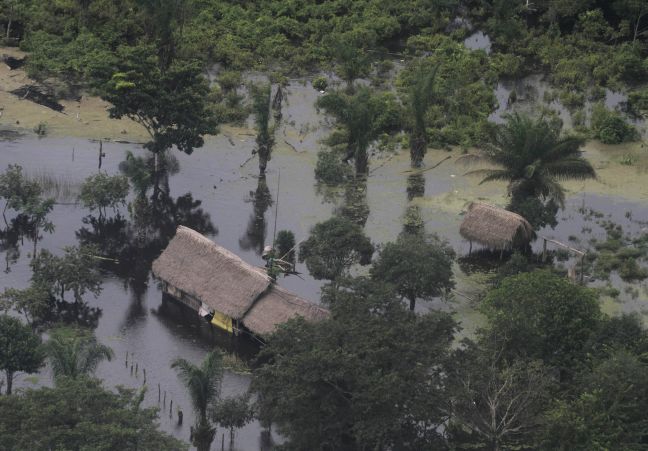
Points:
[(470, 248)]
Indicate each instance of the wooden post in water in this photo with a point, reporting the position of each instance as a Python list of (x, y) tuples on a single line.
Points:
[(159, 394), (179, 417), (171, 409)]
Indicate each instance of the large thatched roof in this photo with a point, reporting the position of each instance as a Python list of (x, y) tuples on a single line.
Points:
[(278, 306), (210, 273), (495, 227)]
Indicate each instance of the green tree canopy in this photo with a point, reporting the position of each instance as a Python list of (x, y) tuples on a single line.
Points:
[(333, 247), (171, 105), (203, 382), (540, 315), (496, 404), (418, 265), (533, 158), (77, 271), (102, 191), (371, 377), (81, 414), (261, 100), (609, 411), (75, 352), (20, 349), (232, 413), (362, 117)]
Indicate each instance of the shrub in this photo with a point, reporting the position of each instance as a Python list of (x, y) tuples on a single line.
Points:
[(610, 127), (320, 83)]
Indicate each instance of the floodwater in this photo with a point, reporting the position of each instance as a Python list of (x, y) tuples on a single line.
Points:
[(478, 41), (220, 196)]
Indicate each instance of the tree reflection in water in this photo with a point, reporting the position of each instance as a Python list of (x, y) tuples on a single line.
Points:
[(412, 218), (355, 206), (132, 245), (255, 234)]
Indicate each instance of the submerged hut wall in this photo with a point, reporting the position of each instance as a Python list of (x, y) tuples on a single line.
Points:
[(495, 227)]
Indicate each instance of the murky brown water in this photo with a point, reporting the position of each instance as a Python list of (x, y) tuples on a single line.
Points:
[(214, 194)]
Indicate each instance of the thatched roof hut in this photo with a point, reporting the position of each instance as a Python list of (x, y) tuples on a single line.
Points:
[(278, 306), (198, 271), (495, 227)]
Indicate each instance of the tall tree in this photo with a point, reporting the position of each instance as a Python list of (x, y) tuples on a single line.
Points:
[(540, 315), (634, 11), (203, 384), (333, 247), (421, 96), (75, 353), (496, 404), (20, 349), (371, 377), (608, 410), (418, 266), (533, 158), (358, 115), (171, 105), (261, 105)]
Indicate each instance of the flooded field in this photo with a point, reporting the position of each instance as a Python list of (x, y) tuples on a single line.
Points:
[(219, 194)]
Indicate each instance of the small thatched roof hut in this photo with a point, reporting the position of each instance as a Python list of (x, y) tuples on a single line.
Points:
[(197, 271), (495, 227)]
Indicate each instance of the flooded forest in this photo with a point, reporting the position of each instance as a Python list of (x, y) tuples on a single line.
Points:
[(324, 225)]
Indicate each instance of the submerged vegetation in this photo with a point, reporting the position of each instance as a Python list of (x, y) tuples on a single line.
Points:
[(546, 367)]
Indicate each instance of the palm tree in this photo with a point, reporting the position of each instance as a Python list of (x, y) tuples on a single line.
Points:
[(261, 102), (533, 158), (420, 97), (357, 115), (75, 352), (203, 383)]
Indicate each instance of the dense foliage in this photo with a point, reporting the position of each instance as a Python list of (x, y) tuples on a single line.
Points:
[(583, 47), (80, 414), (369, 378)]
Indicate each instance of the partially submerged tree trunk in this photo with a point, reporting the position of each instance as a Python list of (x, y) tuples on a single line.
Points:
[(418, 147), (361, 161), (412, 301), (264, 154), (202, 435), (10, 376)]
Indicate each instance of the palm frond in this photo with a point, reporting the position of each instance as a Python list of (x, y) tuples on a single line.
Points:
[(492, 175), (75, 352), (470, 159), (202, 382), (552, 190), (570, 168)]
